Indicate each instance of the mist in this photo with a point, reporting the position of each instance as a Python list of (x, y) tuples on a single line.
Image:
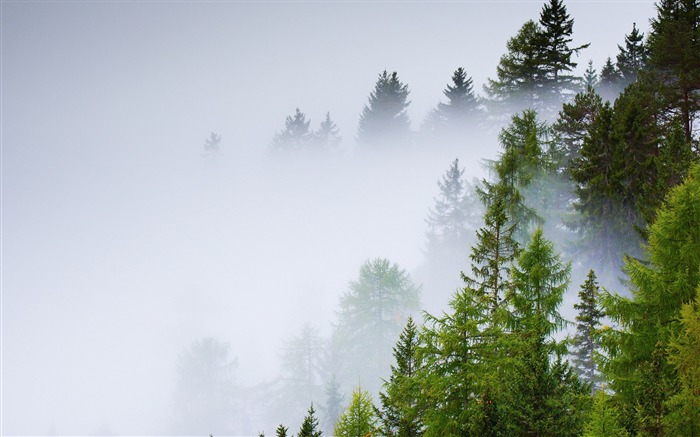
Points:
[(123, 242)]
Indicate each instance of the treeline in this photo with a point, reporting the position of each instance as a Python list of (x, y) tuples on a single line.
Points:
[(607, 163)]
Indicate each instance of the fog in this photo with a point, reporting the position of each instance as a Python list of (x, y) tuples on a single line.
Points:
[(123, 242)]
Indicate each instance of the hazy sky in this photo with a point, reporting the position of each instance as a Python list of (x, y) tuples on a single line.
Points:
[(120, 244)]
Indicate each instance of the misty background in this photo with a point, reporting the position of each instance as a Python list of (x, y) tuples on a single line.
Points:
[(122, 243)]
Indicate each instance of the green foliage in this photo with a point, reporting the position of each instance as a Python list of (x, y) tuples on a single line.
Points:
[(384, 119), (309, 427), (574, 124), (586, 343), (632, 58), (359, 419), (603, 420), (638, 369), (281, 431), (610, 84), (401, 406)]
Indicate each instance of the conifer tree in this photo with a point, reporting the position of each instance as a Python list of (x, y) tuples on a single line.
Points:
[(610, 83), (295, 135), (674, 58), (211, 145), (309, 427), (359, 419), (326, 137), (604, 420), (333, 405), (461, 111), (556, 37), (585, 341), (590, 76), (641, 375), (384, 119), (281, 431), (632, 58), (573, 124), (400, 413)]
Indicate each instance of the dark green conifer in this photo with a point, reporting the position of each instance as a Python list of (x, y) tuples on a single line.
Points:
[(585, 342), (632, 58), (309, 427)]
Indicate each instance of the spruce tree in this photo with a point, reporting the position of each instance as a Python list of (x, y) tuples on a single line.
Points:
[(281, 431), (573, 124), (326, 137), (585, 342), (400, 413), (556, 58), (632, 58), (610, 83), (590, 76), (309, 427), (384, 119), (461, 111), (295, 135)]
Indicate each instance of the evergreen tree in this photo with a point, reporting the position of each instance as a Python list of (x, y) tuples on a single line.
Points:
[(519, 73), (211, 145), (359, 419), (309, 427), (333, 407), (574, 123), (632, 58), (461, 111), (281, 431), (585, 341), (371, 317), (684, 355), (384, 119), (674, 58), (326, 137), (640, 374), (590, 76), (546, 398), (401, 414), (557, 28), (295, 135), (610, 83), (603, 420)]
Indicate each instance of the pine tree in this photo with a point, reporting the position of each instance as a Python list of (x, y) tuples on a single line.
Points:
[(674, 59), (461, 111), (295, 135), (326, 137), (281, 431), (585, 341), (610, 83), (359, 419), (384, 119), (641, 376), (574, 122), (401, 409), (632, 58), (309, 427), (557, 28)]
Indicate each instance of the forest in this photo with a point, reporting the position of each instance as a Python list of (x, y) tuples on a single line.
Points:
[(186, 252), (606, 165)]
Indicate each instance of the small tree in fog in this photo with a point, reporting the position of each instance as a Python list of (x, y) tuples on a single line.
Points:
[(461, 111), (281, 431), (205, 390), (586, 343), (384, 117), (211, 145), (295, 134), (327, 136), (333, 405)]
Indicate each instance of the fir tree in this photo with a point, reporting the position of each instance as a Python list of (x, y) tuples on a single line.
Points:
[(309, 427), (610, 83), (585, 341), (461, 111), (295, 135), (400, 413), (590, 76), (574, 123), (281, 431), (359, 419), (632, 58), (384, 119), (326, 137)]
